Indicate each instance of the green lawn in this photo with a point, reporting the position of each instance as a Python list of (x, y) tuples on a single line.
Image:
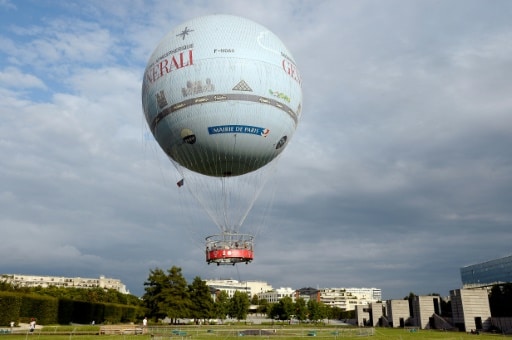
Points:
[(256, 332)]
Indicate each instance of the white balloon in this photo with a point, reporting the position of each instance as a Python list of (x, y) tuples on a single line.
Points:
[(222, 95)]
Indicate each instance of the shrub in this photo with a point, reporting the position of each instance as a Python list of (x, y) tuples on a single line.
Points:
[(10, 305)]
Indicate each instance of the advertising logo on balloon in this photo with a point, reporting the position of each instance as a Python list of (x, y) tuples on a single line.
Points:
[(291, 70), (279, 95), (169, 64), (161, 100), (281, 142), (184, 33), (197, 87), (254, 130), (188, 136), (242, 86)]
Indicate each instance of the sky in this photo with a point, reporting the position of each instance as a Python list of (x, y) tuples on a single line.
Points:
[(399, 173)]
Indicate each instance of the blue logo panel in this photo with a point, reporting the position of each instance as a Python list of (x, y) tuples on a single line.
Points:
[(213, 130)]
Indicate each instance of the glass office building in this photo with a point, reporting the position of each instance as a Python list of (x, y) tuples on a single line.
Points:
[(487, 273)]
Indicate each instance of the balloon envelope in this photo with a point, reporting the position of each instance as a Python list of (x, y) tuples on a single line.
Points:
[(222, 95)]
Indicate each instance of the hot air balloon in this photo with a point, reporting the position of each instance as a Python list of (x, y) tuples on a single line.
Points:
[(222, 96)]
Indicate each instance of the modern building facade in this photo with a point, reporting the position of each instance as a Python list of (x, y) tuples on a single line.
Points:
[(66, 282), (470, 309), (344, 298), (307, 294), (231, 286), (423, 310), (397, 313), (487, 273), (275, 295), (362, 315), (376, 313), (348, 298)]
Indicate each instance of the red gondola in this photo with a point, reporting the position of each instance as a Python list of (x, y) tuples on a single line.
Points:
[(229, 249)]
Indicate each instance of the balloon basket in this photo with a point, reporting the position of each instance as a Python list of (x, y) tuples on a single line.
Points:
[(229, 249)]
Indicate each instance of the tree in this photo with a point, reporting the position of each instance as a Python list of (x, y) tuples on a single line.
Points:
[(263, 307), (500, 300), (221, 305), (201, 300), (6, 286), (316, 310), (301, 309), (239, 306), (255, 300), (335, 313), (176, 297), (410, 298), (286, 308), (167, 294), (273, 311), (282, 310), (154, 298)]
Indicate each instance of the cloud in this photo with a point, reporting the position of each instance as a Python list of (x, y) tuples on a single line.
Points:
[(399, 170), (7, 5), (12, 77)]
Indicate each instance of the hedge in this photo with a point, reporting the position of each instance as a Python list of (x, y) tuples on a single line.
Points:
[(43, 308), (10, 305), (47, 310)]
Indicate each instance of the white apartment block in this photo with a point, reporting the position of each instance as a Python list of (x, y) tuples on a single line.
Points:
[(277, 294), (66, 282), (344, 298), (231, 286), (348, 298)]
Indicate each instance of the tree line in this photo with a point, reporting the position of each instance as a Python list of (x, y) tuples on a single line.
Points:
[(167, 294), (92, 295)]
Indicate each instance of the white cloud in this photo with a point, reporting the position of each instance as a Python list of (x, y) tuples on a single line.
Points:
[(401, 160), (7, 4), (12, 77)]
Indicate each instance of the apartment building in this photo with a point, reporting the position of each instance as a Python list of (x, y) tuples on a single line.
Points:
[(44, 281)]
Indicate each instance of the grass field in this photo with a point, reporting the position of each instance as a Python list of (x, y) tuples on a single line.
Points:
[(267, 333)]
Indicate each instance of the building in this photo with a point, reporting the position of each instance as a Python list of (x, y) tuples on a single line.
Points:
[(348, 298), (423, 310), (369, 315), (275, 295), (487, 273), (376, 313), (362, 315), (231, 286), (397, 313), (470, 309), (307, 294), (66, 282)]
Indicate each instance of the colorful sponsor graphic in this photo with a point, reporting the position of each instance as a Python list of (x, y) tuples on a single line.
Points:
[(161, 100), (197, 87), (188, 136), (184, 33), (292, 70), (281, 142), (242, 86), (279, 95), (213, 130), (174, 51), (169, 64), (234, 97)]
